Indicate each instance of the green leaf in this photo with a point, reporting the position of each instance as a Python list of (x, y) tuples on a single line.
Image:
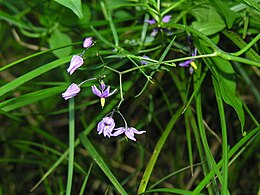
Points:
[(59, 39), (223, 9), (101, 163), (30, 98), (33, 74), (74, 5), (208, 19), (252, 3), (225, 75)]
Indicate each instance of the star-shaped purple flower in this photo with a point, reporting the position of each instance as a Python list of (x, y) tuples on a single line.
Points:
[(187, 63), (106, 126), (71, 91), (128, 131), (103, 93), (75, 63)]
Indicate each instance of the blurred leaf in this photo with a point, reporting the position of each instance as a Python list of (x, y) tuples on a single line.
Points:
[(32, 74), (230, 16), (208, 21), (225, 75), (59, 39), (30, 98), (74, 5), (252, 3)]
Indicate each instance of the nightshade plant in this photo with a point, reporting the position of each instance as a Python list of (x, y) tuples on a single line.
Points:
[(159, 129)]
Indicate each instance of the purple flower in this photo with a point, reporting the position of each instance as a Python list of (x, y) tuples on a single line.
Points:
[(129, 132), (106, 126), (103, 93), (75, 63), (88, 42), (155, 32), (150, 21), (71, 91), (190, 62), (166, 18), (144, 62)]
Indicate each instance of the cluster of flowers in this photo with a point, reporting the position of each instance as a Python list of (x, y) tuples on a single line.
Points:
[(107, 127), (107, 124), (189, 63)]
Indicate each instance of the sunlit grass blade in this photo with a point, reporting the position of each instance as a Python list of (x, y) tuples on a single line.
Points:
[(33, 74), (224, 186), (82, 189), (100, 162), (157, 150), (170, 190)]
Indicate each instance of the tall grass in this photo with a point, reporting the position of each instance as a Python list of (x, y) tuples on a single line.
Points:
[(182, 78)]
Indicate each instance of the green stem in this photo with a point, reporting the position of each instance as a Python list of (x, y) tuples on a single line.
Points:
[(224, 187), (71, 145)]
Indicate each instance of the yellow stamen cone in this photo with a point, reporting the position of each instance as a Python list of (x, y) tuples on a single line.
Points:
[(102, 101), (193, 65)]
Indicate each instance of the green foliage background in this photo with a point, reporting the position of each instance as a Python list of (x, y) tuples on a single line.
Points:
[(202, 129)]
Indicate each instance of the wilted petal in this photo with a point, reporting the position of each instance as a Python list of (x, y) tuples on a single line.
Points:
[(150, 21), (96, 91), (75, 63), (71, 91), (88, 42), (166, 18)]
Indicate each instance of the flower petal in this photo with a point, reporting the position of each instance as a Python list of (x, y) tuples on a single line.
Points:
[(75, 63), (130, 134), (118, 131), (136, 131), (186, 63), (166, 18), (150, 21), (96, 91), (71, 91)]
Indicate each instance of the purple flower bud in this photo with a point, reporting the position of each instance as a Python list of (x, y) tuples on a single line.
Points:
[(150, 21), (106, 126), (88, 42), (75, 63), (166, 18), (71, 91)]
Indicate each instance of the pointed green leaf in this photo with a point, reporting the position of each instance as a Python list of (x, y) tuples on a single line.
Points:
[(59, 39), (73, 5)]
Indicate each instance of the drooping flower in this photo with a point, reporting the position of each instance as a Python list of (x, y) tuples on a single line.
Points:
[(128, 131), (144, 62), (106, 126), (190, 62), (88, 42), (103, 93), (75, 62), (71, 91)]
